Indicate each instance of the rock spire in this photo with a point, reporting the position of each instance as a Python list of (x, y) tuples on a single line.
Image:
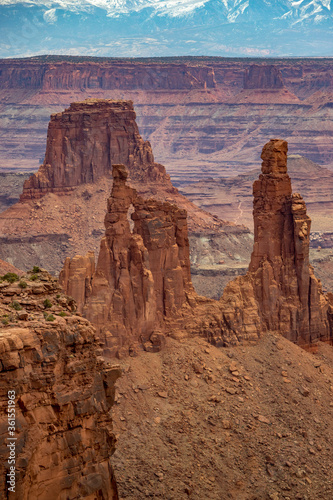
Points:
[(142, 276)]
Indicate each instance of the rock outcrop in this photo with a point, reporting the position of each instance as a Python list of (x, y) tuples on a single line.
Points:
[(142, 277), (83, 142), (263, 76), (62, 392), (142, 281)]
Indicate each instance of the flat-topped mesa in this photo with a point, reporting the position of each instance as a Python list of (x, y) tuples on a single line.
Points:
[(263, 77), (84, 141), (142, 278)]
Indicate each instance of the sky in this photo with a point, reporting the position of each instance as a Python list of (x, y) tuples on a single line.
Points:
[(148, 28)]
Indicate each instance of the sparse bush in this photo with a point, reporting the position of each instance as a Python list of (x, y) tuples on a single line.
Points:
[(47, 303), (58, 295), (50, 317), (10, 277), (36, 269), (5, 321), (23, 284), (62, 314), (34, 277), (16, 305)]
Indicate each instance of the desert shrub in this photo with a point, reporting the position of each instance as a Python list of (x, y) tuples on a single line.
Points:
[(10, 277), (47, 303), (36, 269), (50, 317), (23, 284), (16, 305), (62, 314), (34, 277), (4, 321)]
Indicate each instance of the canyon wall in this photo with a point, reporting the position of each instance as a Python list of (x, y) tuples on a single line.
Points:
[(62, 392), (203, 116)]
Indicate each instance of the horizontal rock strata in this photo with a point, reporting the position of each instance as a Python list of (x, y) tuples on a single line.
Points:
[(63, 392)]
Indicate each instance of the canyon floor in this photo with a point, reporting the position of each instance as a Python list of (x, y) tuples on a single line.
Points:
[(244, 423)]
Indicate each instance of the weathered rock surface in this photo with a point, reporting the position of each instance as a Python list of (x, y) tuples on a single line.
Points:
[(136, 278), (62, 207), (142, 277), (63, 390), (263, 77), (290, 297), (84, 141)]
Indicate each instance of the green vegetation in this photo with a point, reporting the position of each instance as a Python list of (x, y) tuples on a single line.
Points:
[(34, 277), (36, 269), (62, 314), (23, 284), (4, 321), (50, 317), (47, 303), (10, 277), (16, 305)]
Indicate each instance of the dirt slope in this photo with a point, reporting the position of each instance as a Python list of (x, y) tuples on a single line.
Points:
[(245, 423)]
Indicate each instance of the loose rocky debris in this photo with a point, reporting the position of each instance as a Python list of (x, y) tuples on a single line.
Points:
[(197, 422)]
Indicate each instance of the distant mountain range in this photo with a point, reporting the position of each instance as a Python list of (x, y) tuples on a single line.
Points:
[(146, 28)]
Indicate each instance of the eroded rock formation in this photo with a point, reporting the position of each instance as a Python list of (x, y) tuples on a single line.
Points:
[(83, 142), (142, 281), (287, 295), (263, 76), (63, 392), (62, 207), (142, 277)]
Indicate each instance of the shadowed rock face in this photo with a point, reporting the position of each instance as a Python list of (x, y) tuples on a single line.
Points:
[(142, 276), (263, 77), (64, 392)]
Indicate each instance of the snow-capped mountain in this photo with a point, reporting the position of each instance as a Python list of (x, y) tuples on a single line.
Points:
[(167, 27)]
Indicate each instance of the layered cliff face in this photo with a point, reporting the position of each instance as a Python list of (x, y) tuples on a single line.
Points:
[(142, 277), (83, 142), (118, 75), (62, 392)]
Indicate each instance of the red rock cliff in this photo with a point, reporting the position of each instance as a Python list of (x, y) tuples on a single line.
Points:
[(263, 77), (62, 392), (106, 75), (83, 142)]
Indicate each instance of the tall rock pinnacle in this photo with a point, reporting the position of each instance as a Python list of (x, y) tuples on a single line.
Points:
[(289, 294), (142, 277), (142, 282)]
